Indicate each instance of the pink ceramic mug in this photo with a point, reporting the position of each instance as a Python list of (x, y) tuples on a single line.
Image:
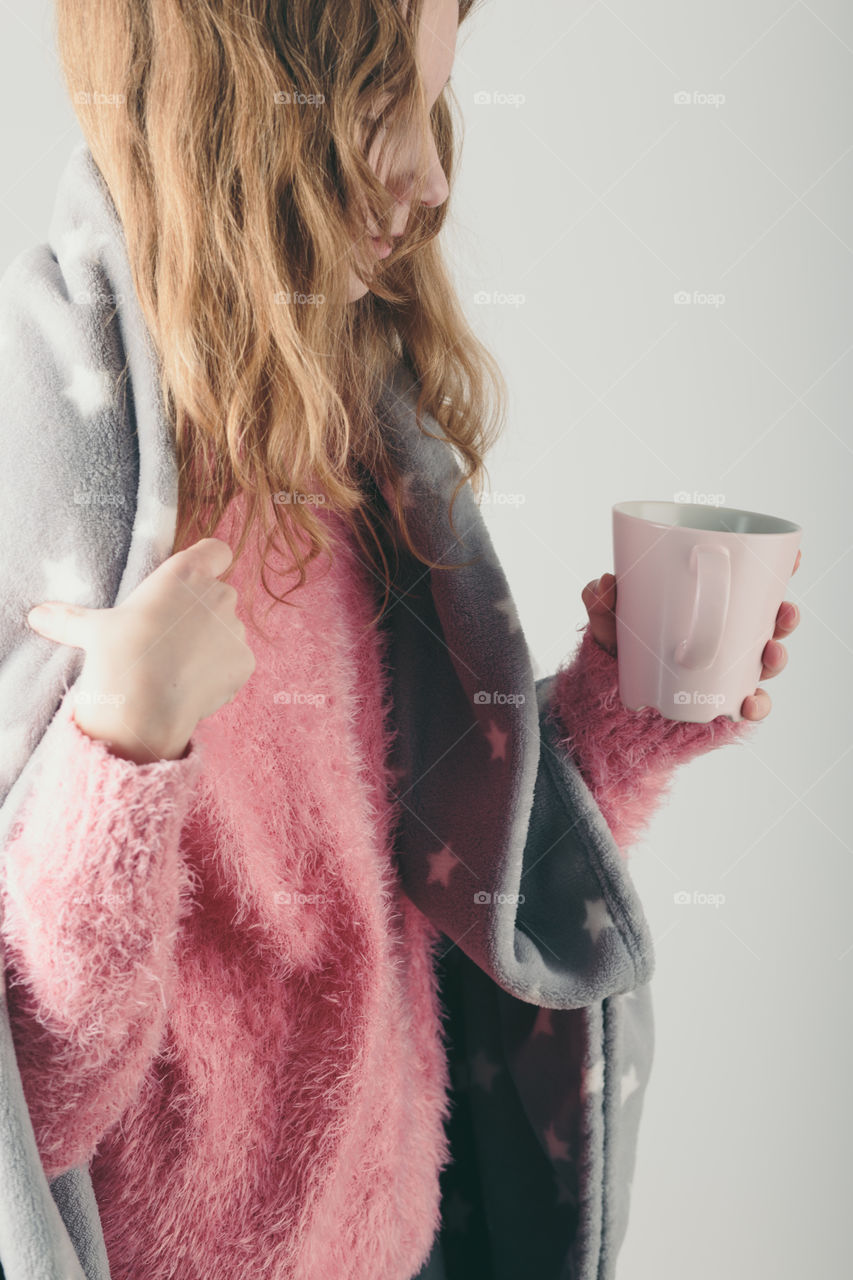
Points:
[(697, 593)]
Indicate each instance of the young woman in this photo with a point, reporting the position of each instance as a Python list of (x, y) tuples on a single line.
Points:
[(221, 999)]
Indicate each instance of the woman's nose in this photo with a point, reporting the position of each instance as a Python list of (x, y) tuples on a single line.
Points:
[(435, 190)]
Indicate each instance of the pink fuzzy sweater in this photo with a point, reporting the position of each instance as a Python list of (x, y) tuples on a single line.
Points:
[(220, 996)]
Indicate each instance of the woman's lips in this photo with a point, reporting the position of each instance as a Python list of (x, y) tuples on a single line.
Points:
[(382, 247)]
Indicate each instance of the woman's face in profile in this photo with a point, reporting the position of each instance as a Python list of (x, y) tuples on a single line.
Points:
[(436, 48)]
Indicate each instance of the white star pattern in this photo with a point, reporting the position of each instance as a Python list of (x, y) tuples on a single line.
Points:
[(441, 864), (592, 1080), (557, 1148), (542, 1025), (506, 606), (157, 523), (497, 740), (82, 242), (483, 1070), (89, 389), (64, 582), (397, 774), (597, 918), (407, 499), (630, 1082)]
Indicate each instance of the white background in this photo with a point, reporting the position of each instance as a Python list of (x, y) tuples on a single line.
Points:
[(598, 197)]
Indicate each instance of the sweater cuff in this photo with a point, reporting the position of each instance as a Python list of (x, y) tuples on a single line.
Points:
[(86, 794), (618, 750)]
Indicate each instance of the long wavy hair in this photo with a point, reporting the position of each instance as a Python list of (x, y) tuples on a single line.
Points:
[(235, 139)]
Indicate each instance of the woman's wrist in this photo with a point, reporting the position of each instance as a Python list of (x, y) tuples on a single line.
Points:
[(627, 758), (137, 743), (594, 723)]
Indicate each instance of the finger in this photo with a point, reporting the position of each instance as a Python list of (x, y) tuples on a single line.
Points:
[(212, 556), (774, 659), (607, 589), (591, 598), (756, 706), (600, 594), (796, 563), (787, 619), (64, 623)]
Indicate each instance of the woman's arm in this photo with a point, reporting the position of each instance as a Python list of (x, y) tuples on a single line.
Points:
[(93, 890), (627, 758)]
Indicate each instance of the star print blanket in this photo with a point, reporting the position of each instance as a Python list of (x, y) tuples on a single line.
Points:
[(548, 958)]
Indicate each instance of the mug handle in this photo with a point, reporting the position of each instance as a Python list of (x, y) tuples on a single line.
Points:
[(713, 570)]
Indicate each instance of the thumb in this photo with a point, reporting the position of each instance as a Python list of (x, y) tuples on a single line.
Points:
[(65, 623)]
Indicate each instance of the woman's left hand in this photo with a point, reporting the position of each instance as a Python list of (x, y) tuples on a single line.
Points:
[(600, 601)]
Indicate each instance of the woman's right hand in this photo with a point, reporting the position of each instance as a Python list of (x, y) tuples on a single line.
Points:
[(172, 653)]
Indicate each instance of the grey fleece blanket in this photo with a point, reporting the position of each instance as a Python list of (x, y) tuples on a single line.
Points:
[(501, 844)]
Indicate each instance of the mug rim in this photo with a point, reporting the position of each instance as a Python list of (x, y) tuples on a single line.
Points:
[(784, 526)]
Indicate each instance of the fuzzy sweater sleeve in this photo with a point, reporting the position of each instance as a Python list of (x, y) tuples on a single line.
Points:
[(627, 758), (93, 889)]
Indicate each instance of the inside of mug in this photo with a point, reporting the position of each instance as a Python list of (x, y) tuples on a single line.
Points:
[(695, 515)]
